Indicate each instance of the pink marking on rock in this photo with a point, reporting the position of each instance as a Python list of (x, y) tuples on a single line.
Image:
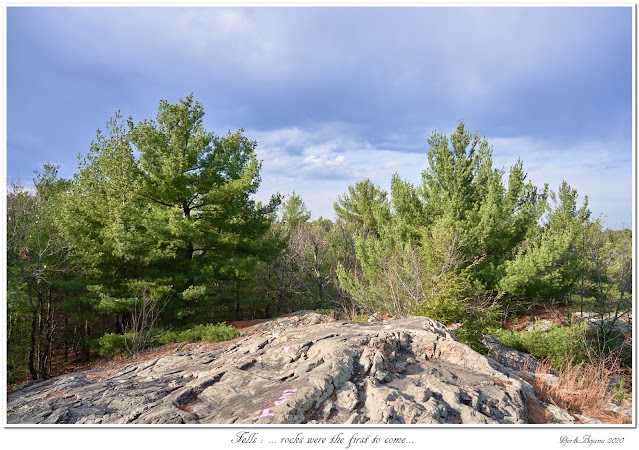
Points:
[(286, 394), (265, 413)]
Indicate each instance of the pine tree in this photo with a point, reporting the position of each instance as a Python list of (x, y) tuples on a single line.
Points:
[(294, 211), (172, 223), (549, 265), (365, 205)]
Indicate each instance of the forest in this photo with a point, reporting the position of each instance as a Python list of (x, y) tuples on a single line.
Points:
[(157, 238)]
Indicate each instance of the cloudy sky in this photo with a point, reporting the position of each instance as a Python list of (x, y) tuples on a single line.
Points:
[(335, 95)]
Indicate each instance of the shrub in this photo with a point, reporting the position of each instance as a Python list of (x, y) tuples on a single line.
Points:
[(472, 332), (559, 344), (218, 333), (210, 332), (111, 344)]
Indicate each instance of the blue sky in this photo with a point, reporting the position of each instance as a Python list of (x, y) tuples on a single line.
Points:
[(335, 95)]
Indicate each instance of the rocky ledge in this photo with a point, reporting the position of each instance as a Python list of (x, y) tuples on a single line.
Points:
[(299, 369)]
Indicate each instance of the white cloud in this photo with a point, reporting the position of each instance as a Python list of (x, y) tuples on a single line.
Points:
[(323, 161)]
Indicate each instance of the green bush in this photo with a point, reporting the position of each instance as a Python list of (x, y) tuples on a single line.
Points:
[(210, 332), (614, 342), (361, 318), (474, 312), (218, 333), (111, 344), (558, 344)]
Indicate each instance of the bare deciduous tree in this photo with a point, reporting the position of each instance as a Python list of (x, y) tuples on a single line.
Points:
[(141, 330)]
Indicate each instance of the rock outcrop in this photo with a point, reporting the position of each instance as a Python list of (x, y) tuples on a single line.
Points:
[(293, 370), (620, 324)]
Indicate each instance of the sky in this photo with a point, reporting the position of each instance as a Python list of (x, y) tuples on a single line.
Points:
[(334, 95)]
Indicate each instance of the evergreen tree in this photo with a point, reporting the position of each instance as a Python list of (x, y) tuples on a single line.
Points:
[(461, 189), (442, 248), (174, 222), (365, 205), (549, 265), (294, 211), (108, 224)]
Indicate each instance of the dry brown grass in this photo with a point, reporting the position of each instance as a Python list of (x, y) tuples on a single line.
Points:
[(581, 388)]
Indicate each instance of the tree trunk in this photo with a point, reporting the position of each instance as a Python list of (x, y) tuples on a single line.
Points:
[(189, 250), (39, 340), (86, 351), (34, 321), (581, 307), (299, 303), (279, 299), (45, 368), (76, 343), (237, 300), (66, 341)]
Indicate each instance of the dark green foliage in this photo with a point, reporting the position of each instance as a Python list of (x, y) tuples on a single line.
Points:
[(178, 219)]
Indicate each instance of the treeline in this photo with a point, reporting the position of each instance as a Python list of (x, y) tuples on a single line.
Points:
[(158, 232)]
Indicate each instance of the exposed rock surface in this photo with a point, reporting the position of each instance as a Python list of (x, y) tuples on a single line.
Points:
[(540, 325), (622, 324), (297, 369), (511, 359)]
